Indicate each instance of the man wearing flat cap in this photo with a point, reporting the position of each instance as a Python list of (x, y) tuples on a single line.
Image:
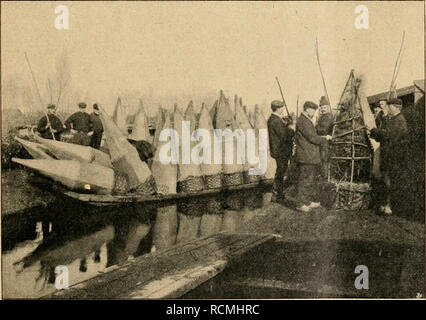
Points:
[(97, 128), (80, 126), (280, 144), (308, 157), (54, 125), (324, 127), (393, 138)]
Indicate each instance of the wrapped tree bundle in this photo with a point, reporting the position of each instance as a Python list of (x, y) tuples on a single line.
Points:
[(224, 119), (125, 158), (190, 178), (120, 116), (140, 129), (71, 151), (260, 123), (161, 118), (36, 150), (75, 175), (243, 123), (165, 175), (212, 172)]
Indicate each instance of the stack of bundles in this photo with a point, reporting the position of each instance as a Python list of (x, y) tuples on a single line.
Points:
[(243, 123), (260, 123), (125, 160), (190, 178), (212, 172), (165, 175), (120, 117), (350, 150), (224, 119), (36, 150), (140, 130), (78, 176), (70, 151)]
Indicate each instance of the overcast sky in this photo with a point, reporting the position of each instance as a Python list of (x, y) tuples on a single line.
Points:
[(190, 49)]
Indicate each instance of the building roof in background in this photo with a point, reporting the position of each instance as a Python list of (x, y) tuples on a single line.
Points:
[(419, 84)]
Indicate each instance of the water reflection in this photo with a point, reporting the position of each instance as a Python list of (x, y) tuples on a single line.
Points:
[(87, 242)]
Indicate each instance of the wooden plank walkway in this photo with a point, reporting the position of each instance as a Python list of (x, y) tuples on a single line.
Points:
[(169, 273)]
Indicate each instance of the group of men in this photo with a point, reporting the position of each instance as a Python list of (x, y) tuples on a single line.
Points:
[(86, 128), (310, 135)]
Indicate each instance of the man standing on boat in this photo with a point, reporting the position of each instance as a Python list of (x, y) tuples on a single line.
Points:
[(308, 157), (54, 125), (80, 126), (97, 128), (280, 144), (324, 127), (393, 138)]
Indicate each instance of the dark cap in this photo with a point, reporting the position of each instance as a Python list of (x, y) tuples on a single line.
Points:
[(324, 101), (310, 104), (395, 101), (277, 104), (51, 106), (95, 106), (82, 105)]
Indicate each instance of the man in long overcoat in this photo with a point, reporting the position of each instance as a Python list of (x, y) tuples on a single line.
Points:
[(308, 157), (280, 144)]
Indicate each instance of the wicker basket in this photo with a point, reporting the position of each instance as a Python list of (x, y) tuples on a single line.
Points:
[(148, 187), (191, 184), (358, 198), (250, 178), (195, 207), (233, 179), (213, 181), (121, 184)]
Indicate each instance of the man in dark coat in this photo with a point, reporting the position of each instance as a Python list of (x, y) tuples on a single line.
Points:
[(97, 128), (308, 157), (54, 122), (393, 138), (324, 127), (280, 144), (80, 126)]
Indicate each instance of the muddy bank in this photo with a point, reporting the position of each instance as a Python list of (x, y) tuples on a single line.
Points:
[(19, 195)]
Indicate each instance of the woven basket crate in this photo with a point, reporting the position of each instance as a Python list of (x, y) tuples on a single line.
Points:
[(121, 184), (148, 187), (213, 181), (250, 178), (359, 198), (233, 179), (191, 184)]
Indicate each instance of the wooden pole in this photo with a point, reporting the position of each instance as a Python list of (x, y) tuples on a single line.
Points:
[(282, 95), (39, 96), (397, 64), (322, 75)]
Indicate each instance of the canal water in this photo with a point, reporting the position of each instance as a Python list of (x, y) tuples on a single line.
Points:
[(88, 241)]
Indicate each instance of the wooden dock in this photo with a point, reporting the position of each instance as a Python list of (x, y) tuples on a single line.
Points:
[(169, 273)]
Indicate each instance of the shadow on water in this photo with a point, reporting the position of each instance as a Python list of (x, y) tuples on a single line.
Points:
[(88, 240)]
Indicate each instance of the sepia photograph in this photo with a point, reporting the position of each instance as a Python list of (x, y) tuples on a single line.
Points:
[(195, 150)]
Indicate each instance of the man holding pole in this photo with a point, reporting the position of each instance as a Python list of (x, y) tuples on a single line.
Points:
[(50, 126), (280, 144)]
